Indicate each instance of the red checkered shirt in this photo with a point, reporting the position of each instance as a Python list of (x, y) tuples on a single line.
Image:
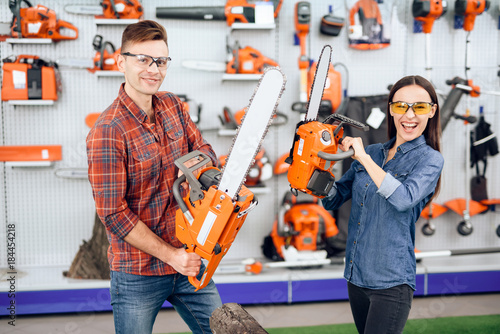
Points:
[(132, 171)]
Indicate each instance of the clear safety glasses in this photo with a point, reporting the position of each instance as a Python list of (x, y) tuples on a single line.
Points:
[(147, 61)]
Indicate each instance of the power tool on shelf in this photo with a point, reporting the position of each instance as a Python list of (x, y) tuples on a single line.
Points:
[(427, 11), (247, 60), (215, 208), (469, 9), (302, 224), (234, 11), (38, 22), (104, 58), (110, 9), (315, 144), (27, 77), (333, 88)]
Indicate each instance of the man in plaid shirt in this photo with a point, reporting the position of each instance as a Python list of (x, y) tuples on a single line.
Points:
[(131, 151)]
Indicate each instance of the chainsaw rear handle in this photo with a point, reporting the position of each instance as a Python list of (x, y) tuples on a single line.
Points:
[(64, 24), (336, 156), (196, 193)]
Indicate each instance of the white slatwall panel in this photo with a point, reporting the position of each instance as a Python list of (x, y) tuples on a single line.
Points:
[(54, 215)]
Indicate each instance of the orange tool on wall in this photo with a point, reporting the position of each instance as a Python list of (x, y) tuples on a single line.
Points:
[(27, 77), (38, 22), (469, 9), (234, 11), (302, 22), (110, 9), (31, 153), (303, 224)]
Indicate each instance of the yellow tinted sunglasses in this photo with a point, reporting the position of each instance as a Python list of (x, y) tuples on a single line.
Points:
[(419, 108)]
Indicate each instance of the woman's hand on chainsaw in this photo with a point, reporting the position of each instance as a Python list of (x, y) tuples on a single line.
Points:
[(356, 144), (376, 173), (187, 264)]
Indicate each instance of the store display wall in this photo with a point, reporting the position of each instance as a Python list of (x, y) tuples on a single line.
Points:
[(53, 215)]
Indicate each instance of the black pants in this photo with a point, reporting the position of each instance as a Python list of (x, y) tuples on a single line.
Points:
[(380, 311)]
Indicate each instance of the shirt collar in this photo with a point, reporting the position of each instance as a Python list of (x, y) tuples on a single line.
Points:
[(406, 147), (132, 106)]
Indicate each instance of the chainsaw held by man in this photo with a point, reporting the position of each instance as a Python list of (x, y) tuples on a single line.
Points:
[(315, 144), (215, 208)]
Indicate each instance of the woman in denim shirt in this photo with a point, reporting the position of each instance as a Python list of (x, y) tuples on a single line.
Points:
[(389, 185)]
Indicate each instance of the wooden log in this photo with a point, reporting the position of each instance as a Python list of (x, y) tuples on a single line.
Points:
[(91, 260), (232, 318)]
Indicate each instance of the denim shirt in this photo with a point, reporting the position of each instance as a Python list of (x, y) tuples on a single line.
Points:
[(381, 233)]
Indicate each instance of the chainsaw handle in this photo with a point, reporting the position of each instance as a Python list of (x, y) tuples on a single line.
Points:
[(196, 193), (194, 282), (64, 24), (177, 193), (336, 156)]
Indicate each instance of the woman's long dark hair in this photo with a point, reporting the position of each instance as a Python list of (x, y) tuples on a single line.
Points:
[(432, 132)]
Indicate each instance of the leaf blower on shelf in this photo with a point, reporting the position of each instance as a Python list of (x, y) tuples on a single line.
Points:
[(235, 11), (303, 228)]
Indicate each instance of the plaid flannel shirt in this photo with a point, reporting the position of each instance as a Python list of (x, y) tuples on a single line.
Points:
[(132, 171)]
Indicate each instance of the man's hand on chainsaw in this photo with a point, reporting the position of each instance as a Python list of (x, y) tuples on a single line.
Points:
[(356, 144), (187, 264)]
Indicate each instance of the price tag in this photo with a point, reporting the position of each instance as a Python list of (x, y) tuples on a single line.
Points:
[(376, 118), (264, 13)]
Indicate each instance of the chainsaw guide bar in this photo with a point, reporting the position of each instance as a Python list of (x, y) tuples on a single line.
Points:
[(251, 133)]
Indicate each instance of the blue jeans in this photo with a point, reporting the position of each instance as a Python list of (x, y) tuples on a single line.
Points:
[(136, 301), (380, 311)]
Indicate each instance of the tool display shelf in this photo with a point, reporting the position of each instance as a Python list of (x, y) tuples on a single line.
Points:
[(29, 40), (44, 290), (115, 21), (241, 77), (31, 102), (252, 26), (108, 73)]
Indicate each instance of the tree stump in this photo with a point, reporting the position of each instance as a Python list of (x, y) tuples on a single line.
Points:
[(232, 318), (91, 260)]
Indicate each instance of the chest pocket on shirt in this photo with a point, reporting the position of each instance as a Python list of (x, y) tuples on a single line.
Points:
[(174, 140), (145, 163)]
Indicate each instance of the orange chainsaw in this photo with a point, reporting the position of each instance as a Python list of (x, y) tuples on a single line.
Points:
[(110, 9), (214, 210), (38, 22), (28, 77), (104, 59), (315, 144), (245, 60)]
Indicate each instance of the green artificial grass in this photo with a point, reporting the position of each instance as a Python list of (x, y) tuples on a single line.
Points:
[(484, 324)]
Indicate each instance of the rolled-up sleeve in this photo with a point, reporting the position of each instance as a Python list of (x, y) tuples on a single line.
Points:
[(108, 178), (419, 183)]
